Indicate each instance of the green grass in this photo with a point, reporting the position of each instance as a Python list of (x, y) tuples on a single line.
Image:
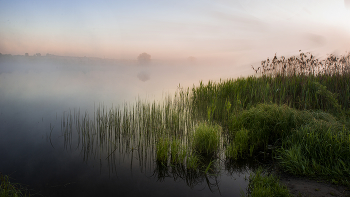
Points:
[(297, 110), (163, 148), (261, 185), (9, 189), (303, 142), (320, 148), (240, 146), (206, 138), (193, 162), (328, 89), (178, 152), (267, 124)]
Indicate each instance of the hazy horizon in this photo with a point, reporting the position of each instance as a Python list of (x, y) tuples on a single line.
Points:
[(230, 31)]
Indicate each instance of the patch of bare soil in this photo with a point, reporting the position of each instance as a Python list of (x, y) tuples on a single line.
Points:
[(302, 187)]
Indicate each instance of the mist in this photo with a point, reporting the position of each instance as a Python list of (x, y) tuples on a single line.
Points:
[(80, 82)]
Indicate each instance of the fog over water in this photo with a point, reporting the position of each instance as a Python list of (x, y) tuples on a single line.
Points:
[(45, 78), (38, 93)]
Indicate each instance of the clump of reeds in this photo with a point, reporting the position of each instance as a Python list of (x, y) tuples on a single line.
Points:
[(305, 64), (172, 148), (162, 148), (192, 161), (261, 185), (9, 189), (178, 152), (206, 138)]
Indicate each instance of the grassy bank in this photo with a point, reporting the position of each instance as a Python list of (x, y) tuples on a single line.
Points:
[(295, 112)]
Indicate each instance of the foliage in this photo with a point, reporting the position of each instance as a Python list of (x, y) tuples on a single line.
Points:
[(261, 185), (320, 148), (206, 138)]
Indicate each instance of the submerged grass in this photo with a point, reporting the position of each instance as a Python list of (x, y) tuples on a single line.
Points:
[(9, 189), (206, 138), (163, 147)]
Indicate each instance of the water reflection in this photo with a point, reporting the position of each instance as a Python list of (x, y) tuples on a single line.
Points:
[(190, 176), (131, 133)]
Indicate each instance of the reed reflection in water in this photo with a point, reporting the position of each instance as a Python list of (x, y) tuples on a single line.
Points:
[(158, 136)]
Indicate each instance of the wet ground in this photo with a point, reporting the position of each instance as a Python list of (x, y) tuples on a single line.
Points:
[(303, 187)]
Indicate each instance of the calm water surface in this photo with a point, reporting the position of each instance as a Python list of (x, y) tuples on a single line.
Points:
[(36, 95)]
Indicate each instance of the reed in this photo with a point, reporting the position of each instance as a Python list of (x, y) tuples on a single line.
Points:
[(240, 146), (192, 162), (206, 138), (163, 148), (178, 152), (324, 87)]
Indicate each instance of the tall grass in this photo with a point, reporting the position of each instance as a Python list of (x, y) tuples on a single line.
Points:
[(163, 148), (291, 82), (295, 110)]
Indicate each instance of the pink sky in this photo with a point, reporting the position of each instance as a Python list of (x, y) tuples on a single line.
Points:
[(234, 31)]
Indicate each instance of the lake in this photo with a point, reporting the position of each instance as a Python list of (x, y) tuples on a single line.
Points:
[(44, 99)]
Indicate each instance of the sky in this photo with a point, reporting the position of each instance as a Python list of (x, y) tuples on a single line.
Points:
[(230, 30)]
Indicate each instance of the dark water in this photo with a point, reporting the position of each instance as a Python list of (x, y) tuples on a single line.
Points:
[(35, 151)]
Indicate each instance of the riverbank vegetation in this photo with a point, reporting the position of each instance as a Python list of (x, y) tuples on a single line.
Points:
[(293, 113)]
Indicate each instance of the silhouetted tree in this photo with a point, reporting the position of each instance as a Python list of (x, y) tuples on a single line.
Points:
[(144, 58)]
